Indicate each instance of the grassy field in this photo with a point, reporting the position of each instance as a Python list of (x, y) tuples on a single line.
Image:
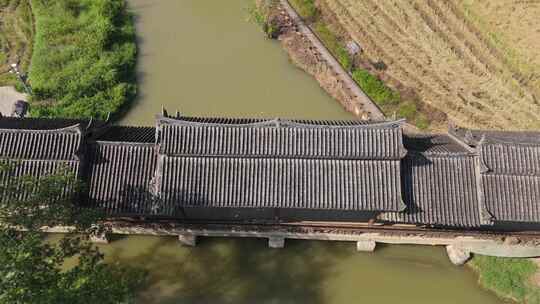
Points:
[(16, 35), (508, 278), (84, 58), (429, 47)]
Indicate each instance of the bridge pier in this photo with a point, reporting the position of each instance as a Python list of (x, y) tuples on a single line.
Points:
[(276, 242), (366, 246), (457, 255), (187, 239)]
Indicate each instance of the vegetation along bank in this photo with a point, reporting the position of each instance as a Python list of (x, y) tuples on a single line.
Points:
[(393, 102), (83, 55)]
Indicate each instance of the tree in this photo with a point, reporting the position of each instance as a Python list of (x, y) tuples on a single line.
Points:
[(35, 271)]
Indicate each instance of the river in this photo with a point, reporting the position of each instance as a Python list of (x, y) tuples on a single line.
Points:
[(203, 57)]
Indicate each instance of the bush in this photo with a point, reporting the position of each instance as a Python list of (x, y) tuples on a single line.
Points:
[(377, 90), (84, 57)]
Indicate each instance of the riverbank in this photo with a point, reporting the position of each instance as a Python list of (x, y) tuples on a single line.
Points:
[(310, 57)]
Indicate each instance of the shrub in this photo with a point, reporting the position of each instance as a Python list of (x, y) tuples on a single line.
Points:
[(377, 90), (84, 57)]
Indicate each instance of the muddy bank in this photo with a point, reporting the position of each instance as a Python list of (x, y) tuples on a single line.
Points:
[(306, 52)]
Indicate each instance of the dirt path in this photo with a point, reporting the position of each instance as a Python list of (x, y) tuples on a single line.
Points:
[(8, 96), (362, 101)]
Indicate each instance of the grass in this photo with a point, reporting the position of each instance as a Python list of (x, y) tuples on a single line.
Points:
[(332, 42), (306, 9), (389, 100), (509, 278), (83, 64), (16, 35)]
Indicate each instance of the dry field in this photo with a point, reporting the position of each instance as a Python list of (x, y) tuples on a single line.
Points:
[(513, 28), (432, 48)]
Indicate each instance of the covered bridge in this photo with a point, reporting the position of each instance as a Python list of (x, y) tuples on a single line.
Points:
[(286, 170)]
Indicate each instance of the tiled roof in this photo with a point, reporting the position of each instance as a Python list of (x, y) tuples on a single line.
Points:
[(512, 198), (511, 159), (40, 147), (63, 144), (120, 176), (279, 164), (439, 190), (510, 172), (278, 138), (35, 169), (511, 181), (279, 183), (465, 179)]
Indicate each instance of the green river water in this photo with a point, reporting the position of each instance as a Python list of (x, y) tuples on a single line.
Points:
[(203, 57)]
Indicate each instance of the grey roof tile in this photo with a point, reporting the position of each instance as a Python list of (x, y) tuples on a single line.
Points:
[(511, 159), (510, 172), (279, 138), (120, 176), (439, 190), (278, 183)]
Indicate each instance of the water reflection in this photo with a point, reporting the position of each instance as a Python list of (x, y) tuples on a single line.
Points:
[(246, 271)]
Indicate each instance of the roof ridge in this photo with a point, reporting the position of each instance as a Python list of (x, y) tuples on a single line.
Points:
[(492, 141), (77, 128), (442, 154), (278, 122)]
